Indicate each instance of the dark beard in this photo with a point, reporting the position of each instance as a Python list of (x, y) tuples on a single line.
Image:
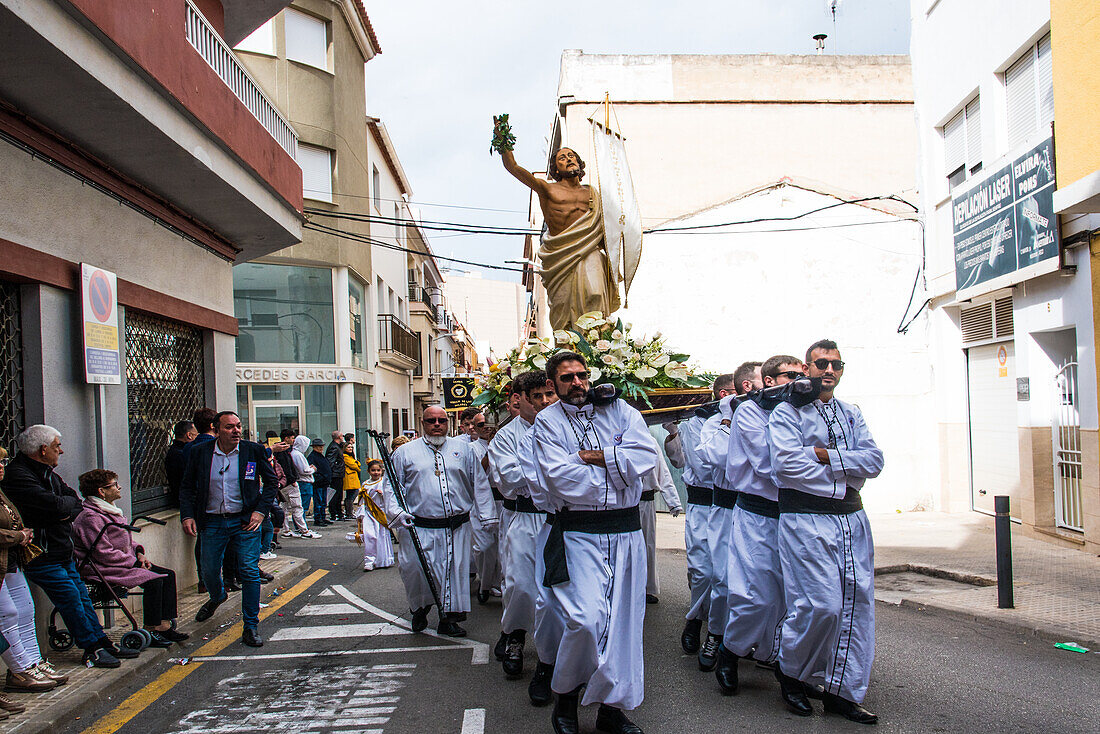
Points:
[(562, 175)]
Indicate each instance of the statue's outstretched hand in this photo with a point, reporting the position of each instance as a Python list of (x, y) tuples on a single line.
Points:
[(503, 139)]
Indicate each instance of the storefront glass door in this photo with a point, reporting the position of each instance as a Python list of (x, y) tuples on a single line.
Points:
[(275, 417)]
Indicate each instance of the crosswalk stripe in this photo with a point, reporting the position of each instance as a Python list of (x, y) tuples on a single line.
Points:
[(341, 631), (319, 609)]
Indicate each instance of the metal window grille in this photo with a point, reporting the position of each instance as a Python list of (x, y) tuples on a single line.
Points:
[(12, 417), (164, 384), (1068, 512)]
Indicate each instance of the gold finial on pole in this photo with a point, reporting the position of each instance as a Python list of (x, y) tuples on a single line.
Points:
[(607, 111)]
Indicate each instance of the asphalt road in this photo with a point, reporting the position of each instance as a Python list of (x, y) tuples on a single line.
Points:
[(336, 662)]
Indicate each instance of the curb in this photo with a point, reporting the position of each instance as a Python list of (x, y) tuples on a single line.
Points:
[(107, 687), (1045, 632)]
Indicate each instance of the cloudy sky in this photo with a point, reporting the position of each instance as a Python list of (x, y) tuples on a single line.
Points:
[(447, 67)]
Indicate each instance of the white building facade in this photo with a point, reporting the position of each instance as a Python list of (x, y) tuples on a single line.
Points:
[(1008, 279)]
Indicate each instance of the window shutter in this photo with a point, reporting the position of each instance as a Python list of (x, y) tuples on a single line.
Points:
[(1002, 318), (316, 166), (1044, 82), (977, 323), (973, 133), (1020, 96), (954, 143), (306, 39)]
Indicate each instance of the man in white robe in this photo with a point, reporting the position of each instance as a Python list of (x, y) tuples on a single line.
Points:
[(714, 445), (658, 480), (520, 523), (682, 447), (822, 454), (753, 576), (443, 483), (590, 460)]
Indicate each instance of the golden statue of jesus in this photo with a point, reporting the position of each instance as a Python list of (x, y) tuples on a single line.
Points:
[(576, 270)]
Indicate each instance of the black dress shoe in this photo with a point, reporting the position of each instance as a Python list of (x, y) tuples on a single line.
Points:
[(708, 653), (814, 691), (206, 611), (420, 618), (232, 586), (651, 599), (265, 576), (157, 639), (501, 648), (612, 720), (564, 718), (793, 694), (252, 638), (689, 638), (513, 658), (483, 596), (849, 710), (539, 691), (726, 671), (450, 628)]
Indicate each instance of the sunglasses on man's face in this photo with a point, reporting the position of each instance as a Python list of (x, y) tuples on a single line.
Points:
[(569, 377), (821, 364), (789, 374), (433, 421)]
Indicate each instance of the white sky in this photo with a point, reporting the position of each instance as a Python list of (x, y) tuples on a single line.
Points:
[(447, 67)]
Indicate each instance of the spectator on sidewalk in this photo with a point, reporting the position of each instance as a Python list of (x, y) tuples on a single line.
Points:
[(28, 671), (352, 482), (322, 481), (295, 526), (175, 461), (398, 442), (203, 420), (226, 494), (335, 455), (269, 530), (48, 506), (103, 543)]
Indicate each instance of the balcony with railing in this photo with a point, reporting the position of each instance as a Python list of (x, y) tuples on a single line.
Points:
[(398, 345), (205, 39)]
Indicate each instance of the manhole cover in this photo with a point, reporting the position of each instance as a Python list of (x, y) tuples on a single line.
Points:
[(893, 587)]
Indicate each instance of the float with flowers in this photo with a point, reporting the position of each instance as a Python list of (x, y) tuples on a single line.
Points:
[(658, 382)]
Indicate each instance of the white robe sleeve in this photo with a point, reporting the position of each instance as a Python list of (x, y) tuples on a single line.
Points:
[(864, 460), (633, 456), (674, 449), (667, 486), (504, 462), (794, 464), (751, 434), (483, 495)]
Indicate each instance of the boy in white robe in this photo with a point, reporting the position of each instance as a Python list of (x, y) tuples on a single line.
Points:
[(443, 483), (822, 454), (590, 460), (521, 521)]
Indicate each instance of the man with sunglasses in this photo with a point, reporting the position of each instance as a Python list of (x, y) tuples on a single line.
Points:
[(822, 454), (590, 456), (443, 482), (754, 580), (714, 444)]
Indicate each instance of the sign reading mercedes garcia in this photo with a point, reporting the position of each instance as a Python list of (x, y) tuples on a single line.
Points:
[(1004, 225), (458, 392)]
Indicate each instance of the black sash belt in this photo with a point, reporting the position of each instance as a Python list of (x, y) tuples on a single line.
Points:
[(725, 498), (700, 496), (599, 522), (497, 496), (522, 503), (757, 505), (452, 522), (793, 501), (648, 495)]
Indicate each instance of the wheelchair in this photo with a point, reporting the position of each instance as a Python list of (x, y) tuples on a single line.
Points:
[(105, 598)]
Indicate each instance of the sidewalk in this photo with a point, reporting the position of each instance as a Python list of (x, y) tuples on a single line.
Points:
[(947, 562), (88, 687)]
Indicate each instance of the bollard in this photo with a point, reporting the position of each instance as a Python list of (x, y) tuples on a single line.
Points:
[(1003, 528)]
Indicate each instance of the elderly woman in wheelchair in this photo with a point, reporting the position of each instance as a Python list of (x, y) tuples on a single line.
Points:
[(108, 557)]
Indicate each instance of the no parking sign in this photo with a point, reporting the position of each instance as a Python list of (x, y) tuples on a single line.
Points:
[(99, 297)]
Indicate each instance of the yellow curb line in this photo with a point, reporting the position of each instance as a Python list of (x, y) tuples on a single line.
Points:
[(149, 693)]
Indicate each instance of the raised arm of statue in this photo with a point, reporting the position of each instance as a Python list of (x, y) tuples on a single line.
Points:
[(503, 140)]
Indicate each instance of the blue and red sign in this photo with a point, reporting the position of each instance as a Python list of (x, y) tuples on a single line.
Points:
[(99, 297)]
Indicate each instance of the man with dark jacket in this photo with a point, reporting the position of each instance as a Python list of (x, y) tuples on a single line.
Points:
[(175, 461), (226, 493), (335, 455), (203, 418), (48, 507), (322, 480)]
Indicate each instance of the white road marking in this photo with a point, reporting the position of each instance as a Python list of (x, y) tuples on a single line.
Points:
[(337, 631), (327, 592), (473, 721), (289, 655), (318, 609), (335, 700), (479, 650)]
